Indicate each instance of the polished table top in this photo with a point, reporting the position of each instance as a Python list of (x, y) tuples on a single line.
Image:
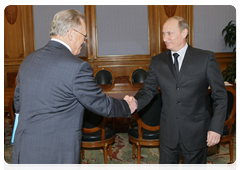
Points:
[(120, 90)]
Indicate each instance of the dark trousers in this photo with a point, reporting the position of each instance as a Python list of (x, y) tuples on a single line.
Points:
[(172, 156)]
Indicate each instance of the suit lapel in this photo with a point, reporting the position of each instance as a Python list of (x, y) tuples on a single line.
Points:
[(170, 63), (186, 61)]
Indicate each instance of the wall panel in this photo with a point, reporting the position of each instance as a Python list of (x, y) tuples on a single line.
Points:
[(120, 37)]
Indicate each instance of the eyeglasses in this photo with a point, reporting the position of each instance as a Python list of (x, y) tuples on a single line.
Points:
[(85, 36)]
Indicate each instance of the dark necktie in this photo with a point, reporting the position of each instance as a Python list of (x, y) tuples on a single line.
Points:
[(176, 55)]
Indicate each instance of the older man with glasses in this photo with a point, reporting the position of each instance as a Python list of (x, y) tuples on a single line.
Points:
[(53, 89)]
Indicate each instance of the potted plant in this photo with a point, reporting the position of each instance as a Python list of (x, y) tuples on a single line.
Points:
[(229, 74)]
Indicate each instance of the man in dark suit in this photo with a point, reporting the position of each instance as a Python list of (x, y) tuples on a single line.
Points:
[(53, 89), (184, 74)]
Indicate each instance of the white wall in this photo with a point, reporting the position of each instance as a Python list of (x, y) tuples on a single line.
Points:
[(42, 18), (209, 21)]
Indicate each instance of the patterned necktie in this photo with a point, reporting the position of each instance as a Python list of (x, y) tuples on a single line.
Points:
[(176, 55)]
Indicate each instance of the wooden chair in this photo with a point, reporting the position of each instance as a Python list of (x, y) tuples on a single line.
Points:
[(11, 110), (146, 131), (138, 75), (11, 105), (104, 76), (97, 134), (230, 123)]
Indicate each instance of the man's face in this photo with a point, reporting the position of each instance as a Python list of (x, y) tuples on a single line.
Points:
[(78, 39), (173, 38)]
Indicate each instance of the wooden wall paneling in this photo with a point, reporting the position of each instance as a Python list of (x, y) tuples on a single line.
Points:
[(13, 34), (88, 24), (223, 60), (87, 14), (28, 29), (120, 68), (190, 23), (153, 26), (123, 64), (122, 57), (18, 43), (18, 35), (93, 32), (155, 21)]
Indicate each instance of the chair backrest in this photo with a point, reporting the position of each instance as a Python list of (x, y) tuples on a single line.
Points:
[(104, 76), (138, 75), (231, 108), (150, 115), (91, 120), (11, 109)]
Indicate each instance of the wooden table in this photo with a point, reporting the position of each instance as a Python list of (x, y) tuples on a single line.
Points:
[(119, 91), (233, 165)]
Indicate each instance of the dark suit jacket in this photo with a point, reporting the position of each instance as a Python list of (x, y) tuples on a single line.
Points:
[(184, 98), (54, 88)]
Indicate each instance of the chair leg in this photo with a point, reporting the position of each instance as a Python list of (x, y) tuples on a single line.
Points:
[(134, 147), (83, 156), (113, 122), (231, 151), (129, 123), (139, 153), (105, 153), (110, 151), (218, 147)]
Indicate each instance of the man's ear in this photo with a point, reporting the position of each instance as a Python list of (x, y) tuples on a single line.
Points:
[(185, 33), (70, 34)]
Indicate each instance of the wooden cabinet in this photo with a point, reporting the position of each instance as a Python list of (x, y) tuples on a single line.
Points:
[(18, 43), (18, 39)]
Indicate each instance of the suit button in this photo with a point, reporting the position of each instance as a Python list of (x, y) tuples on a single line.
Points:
[(178, 103), (178, 88), (176, 117)]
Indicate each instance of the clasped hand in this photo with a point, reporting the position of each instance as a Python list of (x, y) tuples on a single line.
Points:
[(131, 103)]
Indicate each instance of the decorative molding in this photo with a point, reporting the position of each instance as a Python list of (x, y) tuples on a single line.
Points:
[(170, 10), (20, 55), (11, 12)]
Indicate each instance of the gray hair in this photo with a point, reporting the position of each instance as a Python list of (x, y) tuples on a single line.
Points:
[(182, 23), (64, 20)]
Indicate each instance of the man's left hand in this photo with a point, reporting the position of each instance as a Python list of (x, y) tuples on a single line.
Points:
[(213, 138)]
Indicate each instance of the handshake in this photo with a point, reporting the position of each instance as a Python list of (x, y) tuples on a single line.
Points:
[(132, 103)]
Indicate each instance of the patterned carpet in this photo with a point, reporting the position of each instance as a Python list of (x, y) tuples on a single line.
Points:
[(122, 149)]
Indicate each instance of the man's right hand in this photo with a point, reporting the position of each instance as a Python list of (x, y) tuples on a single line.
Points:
[(131, 103)]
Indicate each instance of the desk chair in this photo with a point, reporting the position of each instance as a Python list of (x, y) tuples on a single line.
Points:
[(230, 123), (97, 134), (11, 105), (146, 131), (138, 75), (11, 110), (104, 76)]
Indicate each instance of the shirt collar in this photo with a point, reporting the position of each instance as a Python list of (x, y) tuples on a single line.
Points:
[(63, 43), (181, 52)]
